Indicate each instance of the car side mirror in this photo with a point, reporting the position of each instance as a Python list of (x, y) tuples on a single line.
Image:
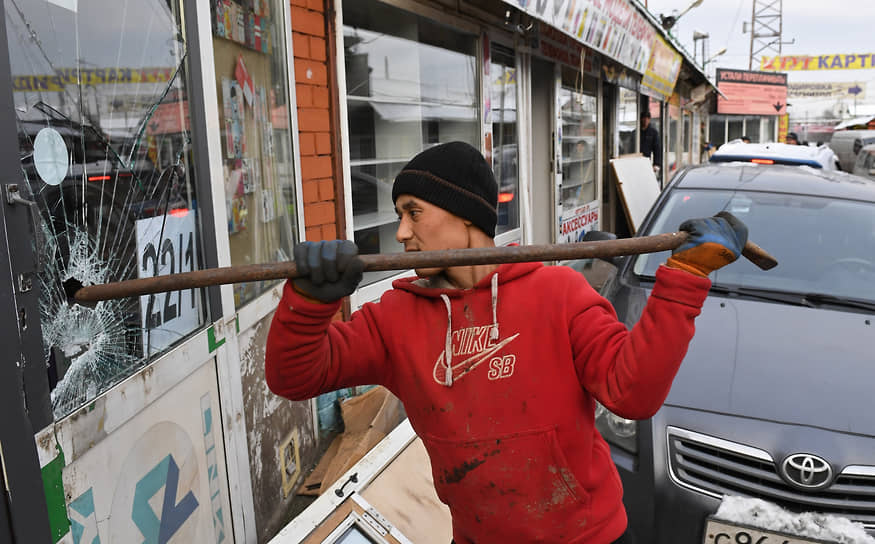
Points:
[(599, 236)]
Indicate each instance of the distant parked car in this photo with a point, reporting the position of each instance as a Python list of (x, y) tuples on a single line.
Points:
[(865, 165), (847, 143), (774, 397), (777, 153)]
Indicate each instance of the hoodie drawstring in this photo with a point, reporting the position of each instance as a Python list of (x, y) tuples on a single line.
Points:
[(448, 348), (493, 335)]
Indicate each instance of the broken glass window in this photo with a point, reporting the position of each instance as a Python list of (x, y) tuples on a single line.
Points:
[(100, 96)]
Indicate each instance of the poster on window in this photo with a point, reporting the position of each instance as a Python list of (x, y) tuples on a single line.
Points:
[(573, 225), (167, 244)]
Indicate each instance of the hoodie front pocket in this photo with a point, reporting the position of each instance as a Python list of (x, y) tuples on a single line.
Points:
[(510, 488)]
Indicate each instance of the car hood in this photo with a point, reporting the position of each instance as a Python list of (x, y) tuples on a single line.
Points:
[(783, 363)]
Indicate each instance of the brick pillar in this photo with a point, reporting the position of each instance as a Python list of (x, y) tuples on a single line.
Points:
[(317, 126)]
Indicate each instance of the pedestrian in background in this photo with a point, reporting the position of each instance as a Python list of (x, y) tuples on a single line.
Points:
[(498, 366), (649, 142)]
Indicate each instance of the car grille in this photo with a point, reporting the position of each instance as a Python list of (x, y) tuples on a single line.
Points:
[(719, 467)]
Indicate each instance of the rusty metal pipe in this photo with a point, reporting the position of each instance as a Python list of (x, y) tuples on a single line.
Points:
[(408, 261)]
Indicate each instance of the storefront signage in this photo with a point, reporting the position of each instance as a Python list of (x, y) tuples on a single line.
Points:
[(783, 127), (827, 89), (159, 477), (751, 93), (612, 27), (166, 244), (71, 77), (851, 61), (574, 224), (662, 70), (563, 48)]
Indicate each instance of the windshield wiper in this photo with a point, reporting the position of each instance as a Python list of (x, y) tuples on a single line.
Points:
[(809, 300), (795, 299), (818, 299)]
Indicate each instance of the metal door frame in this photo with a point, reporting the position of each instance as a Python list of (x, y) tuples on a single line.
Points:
[(24, 385)]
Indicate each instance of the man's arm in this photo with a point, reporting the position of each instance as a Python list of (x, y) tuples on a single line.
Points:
[(630, 372), (306, 353)]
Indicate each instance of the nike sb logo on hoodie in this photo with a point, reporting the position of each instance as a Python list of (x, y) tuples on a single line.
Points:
[(474, 341)]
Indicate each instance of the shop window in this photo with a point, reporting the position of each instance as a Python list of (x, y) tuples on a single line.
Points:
[(736, 128), (771, 128), (674, 121), (101, 103), (752, 129), (503, 124), (688, 128), (579, 116), (411, 83), (252, 81), (718, 130), (628, 121)]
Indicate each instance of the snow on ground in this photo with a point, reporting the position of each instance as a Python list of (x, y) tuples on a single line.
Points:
[(761, 514)]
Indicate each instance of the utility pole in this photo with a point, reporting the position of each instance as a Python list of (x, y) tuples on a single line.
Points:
[(766, 24)]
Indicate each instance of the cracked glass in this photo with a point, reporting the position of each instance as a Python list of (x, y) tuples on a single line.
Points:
[(101, 102)]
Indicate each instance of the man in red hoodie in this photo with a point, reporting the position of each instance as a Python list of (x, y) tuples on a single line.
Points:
[(498, 366)]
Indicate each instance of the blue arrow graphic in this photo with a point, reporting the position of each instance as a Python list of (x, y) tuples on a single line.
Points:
[(155, 530)]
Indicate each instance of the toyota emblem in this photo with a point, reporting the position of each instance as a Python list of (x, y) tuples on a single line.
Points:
[(807, 471)]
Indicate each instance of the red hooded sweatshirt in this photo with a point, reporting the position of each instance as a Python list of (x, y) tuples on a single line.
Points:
[(510, 429)]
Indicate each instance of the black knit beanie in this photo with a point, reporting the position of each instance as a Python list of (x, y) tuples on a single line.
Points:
[(455, 177)]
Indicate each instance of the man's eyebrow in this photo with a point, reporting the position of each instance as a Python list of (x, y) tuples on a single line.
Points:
[(406, 206)]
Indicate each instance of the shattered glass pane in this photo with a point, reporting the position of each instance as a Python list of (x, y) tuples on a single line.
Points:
[(101, 103)]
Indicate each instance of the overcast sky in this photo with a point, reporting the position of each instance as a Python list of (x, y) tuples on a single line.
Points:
[(819, 27)]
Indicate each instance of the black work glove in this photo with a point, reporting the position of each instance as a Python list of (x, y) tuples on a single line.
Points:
[(328, 270)]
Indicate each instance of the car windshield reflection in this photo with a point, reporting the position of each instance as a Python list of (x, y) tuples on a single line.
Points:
[(824, 246)]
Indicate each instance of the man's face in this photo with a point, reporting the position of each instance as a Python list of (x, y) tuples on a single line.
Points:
[(645, 122), (426, 227)]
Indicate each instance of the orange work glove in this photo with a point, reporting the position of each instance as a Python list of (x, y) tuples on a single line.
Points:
[(714, 242)]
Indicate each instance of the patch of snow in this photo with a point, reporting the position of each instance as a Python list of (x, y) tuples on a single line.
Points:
[(765, 515)]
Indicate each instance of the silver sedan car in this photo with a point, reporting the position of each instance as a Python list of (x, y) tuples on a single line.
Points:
[(776, 396)]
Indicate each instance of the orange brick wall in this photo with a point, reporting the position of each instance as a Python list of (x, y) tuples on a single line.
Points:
[(315, 131)]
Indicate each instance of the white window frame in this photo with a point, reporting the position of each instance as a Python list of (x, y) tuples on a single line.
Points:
[(373, 291)]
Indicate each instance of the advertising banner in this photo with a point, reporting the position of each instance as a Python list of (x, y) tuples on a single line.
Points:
[(159, 477), (167, 245), (851, 61), (574, 224), (826, 89), (751, 93), (783, 127), (71, 77), (662, 70), (612, 27)]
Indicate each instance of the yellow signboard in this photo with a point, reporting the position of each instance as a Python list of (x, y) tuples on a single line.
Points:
[(783, 127), (71, 77), (850, 61), (662, 69)]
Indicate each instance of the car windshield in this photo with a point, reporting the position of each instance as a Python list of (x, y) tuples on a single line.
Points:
[(823, 245)]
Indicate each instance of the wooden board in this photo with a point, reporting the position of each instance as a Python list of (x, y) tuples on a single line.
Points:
[(404, 493), (637, 186)]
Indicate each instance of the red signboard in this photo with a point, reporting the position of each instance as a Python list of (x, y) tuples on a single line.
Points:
[(752, 93)]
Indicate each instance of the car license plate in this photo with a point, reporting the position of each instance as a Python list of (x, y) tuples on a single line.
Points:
[(722, 532)]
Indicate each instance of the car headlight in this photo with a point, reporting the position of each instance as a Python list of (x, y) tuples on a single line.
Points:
[(618, 431)]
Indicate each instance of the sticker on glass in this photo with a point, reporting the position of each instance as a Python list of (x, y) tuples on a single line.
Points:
[(50, 156)]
